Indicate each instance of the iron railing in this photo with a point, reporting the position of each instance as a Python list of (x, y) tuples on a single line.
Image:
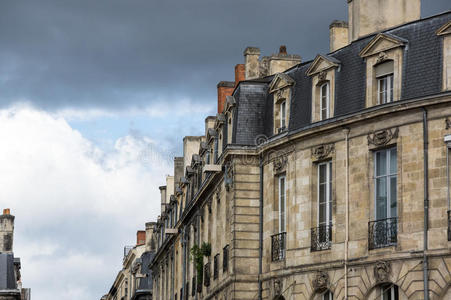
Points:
[(207, 274), (321, 238), (215, 267), (382, 233), (278, 246), (225, 259), (449, 225)]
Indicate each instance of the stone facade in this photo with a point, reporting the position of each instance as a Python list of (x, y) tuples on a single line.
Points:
[(348, 204)]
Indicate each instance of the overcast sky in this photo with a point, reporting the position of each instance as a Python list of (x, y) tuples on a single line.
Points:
[(95, 98)]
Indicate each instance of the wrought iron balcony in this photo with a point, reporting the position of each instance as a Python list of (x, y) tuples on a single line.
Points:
[(321, 238), (382, 233), (278, 246), (449, 225)]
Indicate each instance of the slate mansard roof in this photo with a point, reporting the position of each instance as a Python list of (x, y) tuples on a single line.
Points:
[(422, 76)]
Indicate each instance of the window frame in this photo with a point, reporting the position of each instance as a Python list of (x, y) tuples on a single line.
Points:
[(282, 178), (388, 81), (327, 108), (328, 184), (283, 114), (388, 176)]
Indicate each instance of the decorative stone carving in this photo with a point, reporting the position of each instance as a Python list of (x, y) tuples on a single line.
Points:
[(382, 137), (382, 271), (280, 164), (323, 151), (382, 57), (228, 176), (447, 123), (277, 287), (321, 281), (322, 76)]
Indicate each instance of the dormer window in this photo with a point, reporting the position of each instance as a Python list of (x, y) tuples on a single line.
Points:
[(384, 59), (445, 33), (322, 71), (325, 101), (280, 87)]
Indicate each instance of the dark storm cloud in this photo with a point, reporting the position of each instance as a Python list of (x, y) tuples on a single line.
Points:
[(115, 54)]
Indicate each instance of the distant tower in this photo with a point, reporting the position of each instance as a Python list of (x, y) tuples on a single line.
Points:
[(6, 231)]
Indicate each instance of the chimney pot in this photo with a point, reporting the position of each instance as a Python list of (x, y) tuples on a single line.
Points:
[(6, 211), (283, 50)]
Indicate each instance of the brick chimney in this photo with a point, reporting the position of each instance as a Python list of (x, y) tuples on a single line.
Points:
[(240, 73), (6, 231), (140, 237), (225, 88)]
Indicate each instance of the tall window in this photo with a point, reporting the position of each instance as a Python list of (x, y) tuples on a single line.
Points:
[(325, 101), (386, 183), (325, 194), (282, 204), (389, 292), (283, 114), (327, 296), (384, 76)]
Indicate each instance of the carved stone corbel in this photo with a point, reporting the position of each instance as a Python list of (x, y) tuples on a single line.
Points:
[(382, 271), (322, 76), (447, 123), (382, 137), (321, 281), (280, 164), (382, 57), (277, 287), (323, 151)]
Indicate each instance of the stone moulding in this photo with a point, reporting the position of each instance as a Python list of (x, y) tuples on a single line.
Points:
[(382, 271), (280, 164), (323, 151), (321, 281), (382, 137)]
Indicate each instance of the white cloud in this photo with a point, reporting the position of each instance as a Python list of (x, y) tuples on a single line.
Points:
[(75, 206)]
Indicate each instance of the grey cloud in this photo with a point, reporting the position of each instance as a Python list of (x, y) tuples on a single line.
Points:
[(116, 54)]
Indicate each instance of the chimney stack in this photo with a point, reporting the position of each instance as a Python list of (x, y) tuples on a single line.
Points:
[(339, 35), (240, 73), (140, 237), (225, 88), (150, 240), (251, 62), (6, 231), (163, 198), (370, 16)]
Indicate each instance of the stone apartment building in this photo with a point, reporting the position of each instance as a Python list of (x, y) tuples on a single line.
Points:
[(324, 179), (10, 278), (134, 280)]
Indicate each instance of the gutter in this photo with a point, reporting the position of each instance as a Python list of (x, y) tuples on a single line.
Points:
[(426, 203), (260, 248)]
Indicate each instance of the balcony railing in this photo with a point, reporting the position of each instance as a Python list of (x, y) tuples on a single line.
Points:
[(321, 238), (382, 233), (278, 246), (449, 225)]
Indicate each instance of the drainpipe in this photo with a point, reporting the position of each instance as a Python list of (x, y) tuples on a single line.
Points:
[(182, 296), (346, 132), (260, 249), (426, 203)]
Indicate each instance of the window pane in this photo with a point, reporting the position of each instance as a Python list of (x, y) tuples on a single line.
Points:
[(322, 173), (322, 213), (282, 204), (393, 161), (391, 87), (381, 163), (381, 198), (322, 193), (393, 197)]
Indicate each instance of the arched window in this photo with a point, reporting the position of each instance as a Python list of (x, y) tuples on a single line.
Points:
[(324, 101), (389, 292)]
